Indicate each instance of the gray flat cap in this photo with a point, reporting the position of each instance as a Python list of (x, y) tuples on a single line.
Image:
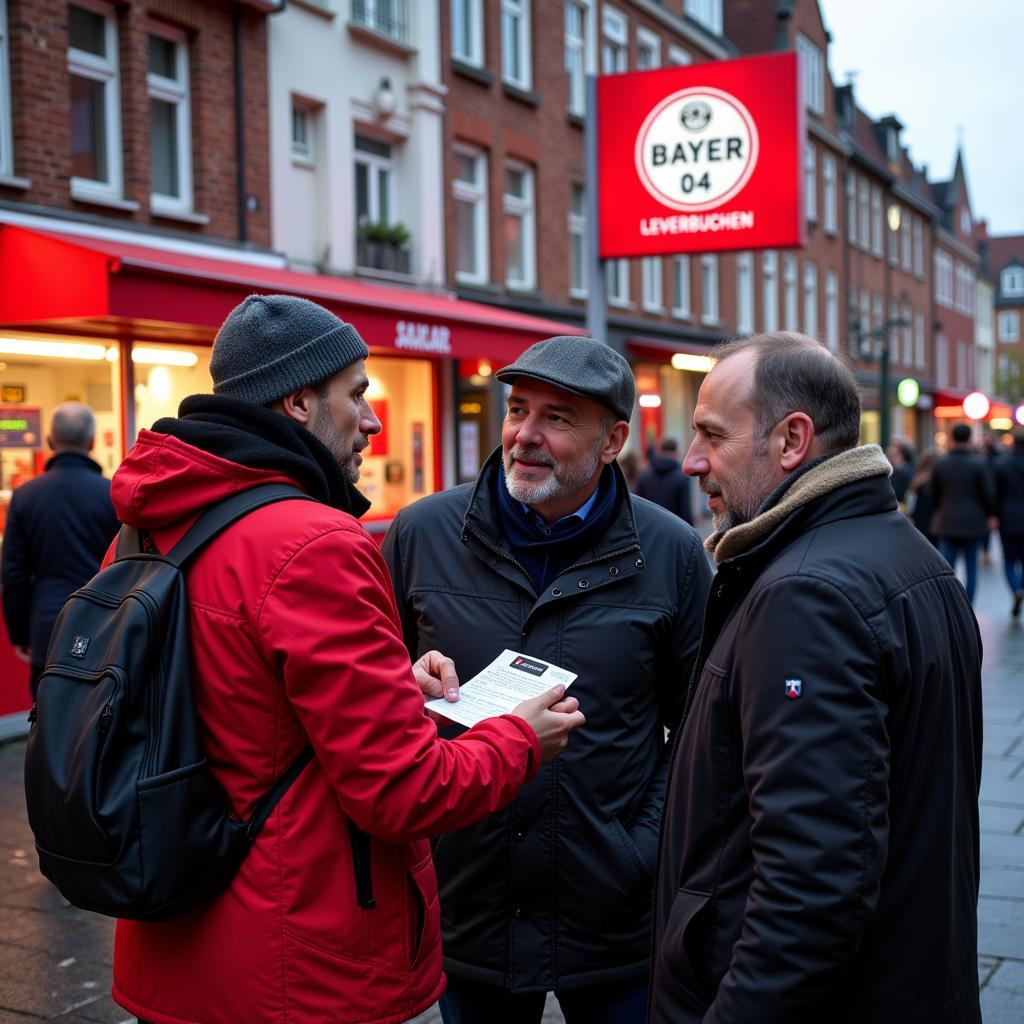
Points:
[(581, 366)]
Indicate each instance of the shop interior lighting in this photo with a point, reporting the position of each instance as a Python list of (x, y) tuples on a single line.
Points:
[(52, 349), (164, 357), (1000, 423), (692, 362), (1019, 415), (484, 368), (650, 401)]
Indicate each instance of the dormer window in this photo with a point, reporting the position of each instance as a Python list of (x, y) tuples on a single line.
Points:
[(965, 221), (1011, 280), (892, 145)]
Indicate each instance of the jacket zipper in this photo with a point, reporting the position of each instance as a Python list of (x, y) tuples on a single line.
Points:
[(603, 558), (503, 554), (154, 697)]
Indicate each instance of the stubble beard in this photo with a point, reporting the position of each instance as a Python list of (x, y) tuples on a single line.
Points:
[(745, 500), (343, 453), (563, 480)]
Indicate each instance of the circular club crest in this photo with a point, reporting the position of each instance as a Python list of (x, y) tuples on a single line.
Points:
[(696, 149)]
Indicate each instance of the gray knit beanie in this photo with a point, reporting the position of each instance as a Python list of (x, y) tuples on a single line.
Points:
[(272, 345)]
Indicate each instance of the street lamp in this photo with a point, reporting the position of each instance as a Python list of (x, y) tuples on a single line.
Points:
[(865, 337)]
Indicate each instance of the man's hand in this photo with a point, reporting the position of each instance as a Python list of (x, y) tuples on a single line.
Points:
[(437, 677), (552, 716), (23, 652)]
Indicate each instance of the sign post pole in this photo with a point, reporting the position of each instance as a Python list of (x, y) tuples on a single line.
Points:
[(597, 310)]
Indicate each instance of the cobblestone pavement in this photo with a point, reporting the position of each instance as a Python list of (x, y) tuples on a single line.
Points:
[(55, 960)]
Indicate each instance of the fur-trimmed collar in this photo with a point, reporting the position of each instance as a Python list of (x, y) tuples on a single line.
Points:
[(819, 479)]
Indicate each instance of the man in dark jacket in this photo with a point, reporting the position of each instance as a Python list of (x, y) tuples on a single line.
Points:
[(58, 527), (819, 860), (1009, 478), (963, 496), (663, 481), (549, 555)]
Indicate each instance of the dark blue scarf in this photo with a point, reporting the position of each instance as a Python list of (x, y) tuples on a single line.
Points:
[(545, 552)]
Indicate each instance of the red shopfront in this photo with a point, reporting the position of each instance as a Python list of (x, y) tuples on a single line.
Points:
[(128, 330)]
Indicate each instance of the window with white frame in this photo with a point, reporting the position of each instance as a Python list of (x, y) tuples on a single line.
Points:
[(876, 221), (876, 306), (811, 181), (520, 227), (941, 361), (832, 310), (770, 290), (1009, 326), (576, 15), (375, 182), (614, 41), (851, 208), (6, 147), (745, 293), (908, 335), (961, 365), (648, 49), (469, 191), (810, 299), (515, 43), (1011, 281), (812, 73), (905, 247), (681, 287), (943, 278), (95, 100), (303, 133), (709, 288), (965, 221), (577, 241), (828, 174), (388, 17), (854, 317), (650, 283), (919, 340), (677, 56), (918, 247), (170, 121), (616, 279), (707, 12), (790, 300), (468, 31), (864, 225)]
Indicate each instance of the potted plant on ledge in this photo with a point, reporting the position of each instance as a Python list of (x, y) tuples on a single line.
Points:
[(383, 246)]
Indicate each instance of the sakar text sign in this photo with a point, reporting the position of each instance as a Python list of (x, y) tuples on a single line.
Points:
[(701, 158)]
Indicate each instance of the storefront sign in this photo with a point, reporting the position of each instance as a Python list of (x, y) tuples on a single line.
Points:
[(701, 158), (421, 337), (20, 427)]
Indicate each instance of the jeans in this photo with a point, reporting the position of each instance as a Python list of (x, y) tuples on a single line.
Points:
[(1013, 559), (950, 547), (469, 1002)]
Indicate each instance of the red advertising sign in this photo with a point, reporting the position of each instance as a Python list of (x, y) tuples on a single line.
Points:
[(701, 158)]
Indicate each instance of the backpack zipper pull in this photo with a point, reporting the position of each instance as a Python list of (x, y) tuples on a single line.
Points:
[(105, 717), (33, 714)]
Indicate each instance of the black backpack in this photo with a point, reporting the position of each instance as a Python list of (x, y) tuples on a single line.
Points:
[(128, 820)]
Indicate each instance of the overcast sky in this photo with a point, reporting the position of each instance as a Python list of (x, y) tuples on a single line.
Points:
[(940, 65)]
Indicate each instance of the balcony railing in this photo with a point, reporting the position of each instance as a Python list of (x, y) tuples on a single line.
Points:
[(388, 17)]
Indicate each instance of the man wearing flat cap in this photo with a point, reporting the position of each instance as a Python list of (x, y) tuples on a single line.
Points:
[(295, 641), (549, 555)]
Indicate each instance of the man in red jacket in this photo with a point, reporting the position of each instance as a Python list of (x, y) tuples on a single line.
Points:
[(296, 639)]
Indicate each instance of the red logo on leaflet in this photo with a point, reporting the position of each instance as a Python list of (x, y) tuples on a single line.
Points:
[(701, 158)]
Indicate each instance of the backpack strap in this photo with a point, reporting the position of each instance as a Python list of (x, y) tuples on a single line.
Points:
[(129, 542), (220, 516)]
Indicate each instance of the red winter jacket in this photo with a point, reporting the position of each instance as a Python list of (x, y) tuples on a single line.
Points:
[(295, 635)]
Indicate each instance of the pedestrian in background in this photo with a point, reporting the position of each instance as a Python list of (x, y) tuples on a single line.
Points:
[(664, 482), (629, 463), (819, 855), (992, 450), (549, 555), (901, 456), (963, 495), (1009, 477), (333, 914), (58, 527), (919, 500)]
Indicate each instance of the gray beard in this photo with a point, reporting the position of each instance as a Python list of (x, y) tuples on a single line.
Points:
[(563, 480)]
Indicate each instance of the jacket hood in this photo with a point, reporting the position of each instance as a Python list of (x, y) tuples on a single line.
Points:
[(163, 480), (663, 464)]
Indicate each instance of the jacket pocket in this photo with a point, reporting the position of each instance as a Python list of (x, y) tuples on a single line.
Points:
[(685, 945), (631, 852), (423, 926)]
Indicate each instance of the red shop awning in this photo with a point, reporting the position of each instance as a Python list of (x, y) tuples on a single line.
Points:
[(96, 287)]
